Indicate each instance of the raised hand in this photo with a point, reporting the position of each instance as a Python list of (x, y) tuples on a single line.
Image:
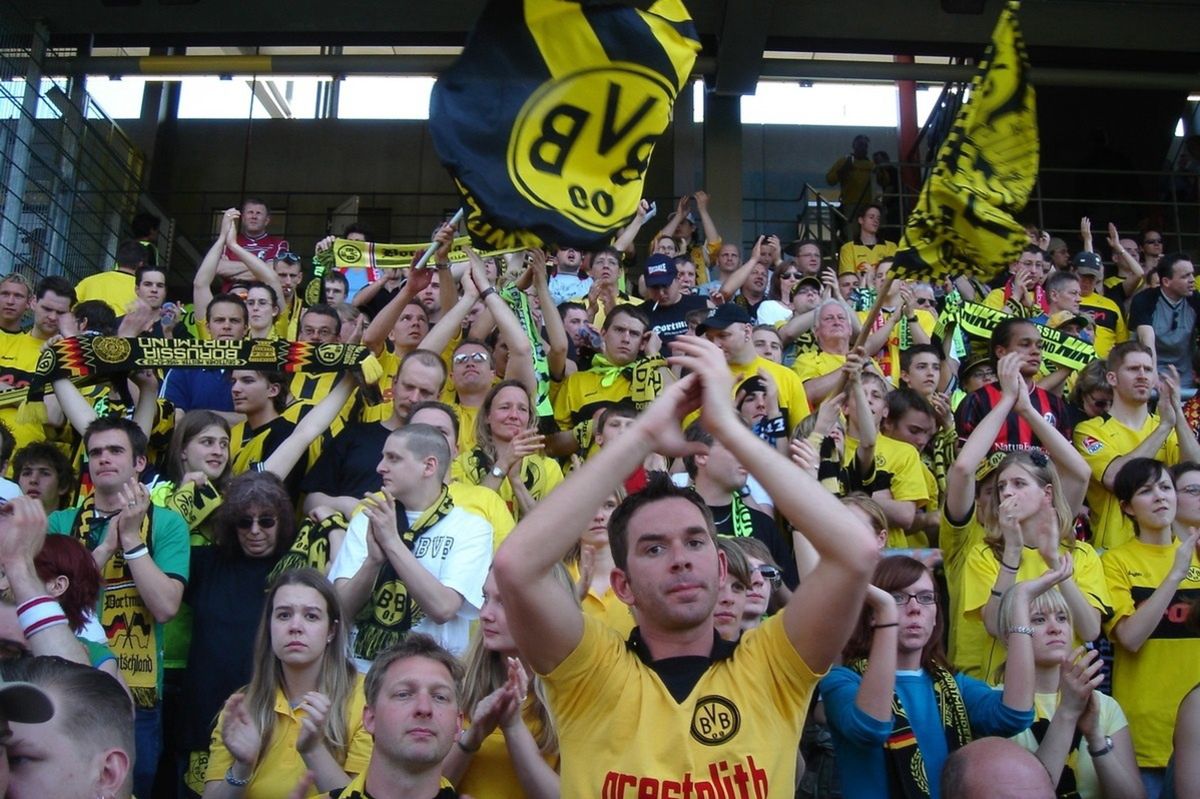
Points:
[(239, 733), (316, 707)]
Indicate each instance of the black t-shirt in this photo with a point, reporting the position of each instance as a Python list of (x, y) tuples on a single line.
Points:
[(380, 301), (669, 321), (226, 596), (347, 465), (763, 528)]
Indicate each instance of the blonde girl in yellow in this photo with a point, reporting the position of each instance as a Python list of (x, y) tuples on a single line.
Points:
[(1034, 533), (510, 747), (591, 566), (303, 708)]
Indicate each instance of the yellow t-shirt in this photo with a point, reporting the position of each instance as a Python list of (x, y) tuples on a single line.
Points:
[(817, 364), (114, 288), (855, 252), (979, 576), (1110, 326), (898, 468), (467, 415), (490, 774), (622, 732), (583, 393), (1101, 441), (487, 503), (607, 608), (280, 767), (793, 402), (19, 353), (539, 473), (287, 324), (1151, 682), (956, 541), (1112, 720)]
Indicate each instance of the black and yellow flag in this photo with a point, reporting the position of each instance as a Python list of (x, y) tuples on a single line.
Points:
[(548, 119), (983, 174)]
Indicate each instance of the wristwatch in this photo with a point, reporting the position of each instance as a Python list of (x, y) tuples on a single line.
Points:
[(1108, 747), (497, 471)]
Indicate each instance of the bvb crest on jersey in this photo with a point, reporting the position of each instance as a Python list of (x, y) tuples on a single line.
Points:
[(548, 119)]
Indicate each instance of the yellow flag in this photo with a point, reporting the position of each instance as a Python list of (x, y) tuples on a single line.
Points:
[(983, 174)]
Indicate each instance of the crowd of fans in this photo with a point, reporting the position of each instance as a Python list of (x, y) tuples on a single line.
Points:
[(691, 522)]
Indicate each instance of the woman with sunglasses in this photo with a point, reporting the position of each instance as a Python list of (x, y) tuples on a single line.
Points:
[(896, 709), (781, 291), (254, 526), (507, 456)]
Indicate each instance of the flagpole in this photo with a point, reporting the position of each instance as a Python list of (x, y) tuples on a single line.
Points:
[(433, 245)]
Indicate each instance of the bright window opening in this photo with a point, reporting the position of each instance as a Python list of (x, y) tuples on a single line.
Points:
[(860, 105), (385, 98)]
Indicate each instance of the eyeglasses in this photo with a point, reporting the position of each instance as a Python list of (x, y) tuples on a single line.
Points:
[(791, 275), (771, 574), (264, 522), (924, 301), (1191, 491), (475, 357), (923, 598), (259, 303)]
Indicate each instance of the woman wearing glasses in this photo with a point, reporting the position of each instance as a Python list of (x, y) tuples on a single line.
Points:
[(781, 292), (253, 527), (897, 710), (507, 456)]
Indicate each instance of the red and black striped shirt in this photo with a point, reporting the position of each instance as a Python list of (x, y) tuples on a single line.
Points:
[(1016, 433)]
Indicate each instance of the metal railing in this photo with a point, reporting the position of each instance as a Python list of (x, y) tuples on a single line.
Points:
[(1165, 201), (69, 178)]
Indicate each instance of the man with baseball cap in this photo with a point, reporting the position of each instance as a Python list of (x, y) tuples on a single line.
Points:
[(1107, 319), (667, 305), (730, 328)]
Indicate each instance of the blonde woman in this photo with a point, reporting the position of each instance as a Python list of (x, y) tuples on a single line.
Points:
[(1034, 533), (303, 708), (510, 747)]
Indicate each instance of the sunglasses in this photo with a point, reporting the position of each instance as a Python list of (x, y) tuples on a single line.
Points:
[(264, 522), (771, 574), (288, 257), (791, 275), (924, 301), (1152, 241), (476, 357)]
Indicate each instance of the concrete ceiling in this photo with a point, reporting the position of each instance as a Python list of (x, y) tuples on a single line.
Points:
[(1151, 35)]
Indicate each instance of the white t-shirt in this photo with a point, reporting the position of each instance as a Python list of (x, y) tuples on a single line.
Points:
[(457, 551)]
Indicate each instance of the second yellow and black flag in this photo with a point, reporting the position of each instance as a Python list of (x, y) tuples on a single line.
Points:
[(984, 172), (548, 118)]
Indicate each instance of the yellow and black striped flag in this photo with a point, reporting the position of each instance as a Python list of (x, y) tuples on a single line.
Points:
[(963, 220), (548, 118)]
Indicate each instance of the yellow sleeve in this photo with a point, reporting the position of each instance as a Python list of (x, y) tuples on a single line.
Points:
[(1095, 448), (219, 759), (1089, 576), (562, 406), (908, 481), (846, 258), (995, 299), (979, 575), (1120, 588), (361, 742)]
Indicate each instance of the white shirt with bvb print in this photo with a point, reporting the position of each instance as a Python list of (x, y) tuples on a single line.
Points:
[(457, 551)]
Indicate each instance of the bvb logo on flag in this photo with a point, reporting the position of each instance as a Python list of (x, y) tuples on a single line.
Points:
[(583, 142)]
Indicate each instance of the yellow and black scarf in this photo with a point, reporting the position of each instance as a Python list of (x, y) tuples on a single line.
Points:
[(391, 612), (645, 379), (906, 774), (128, 623), (310, 548)]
